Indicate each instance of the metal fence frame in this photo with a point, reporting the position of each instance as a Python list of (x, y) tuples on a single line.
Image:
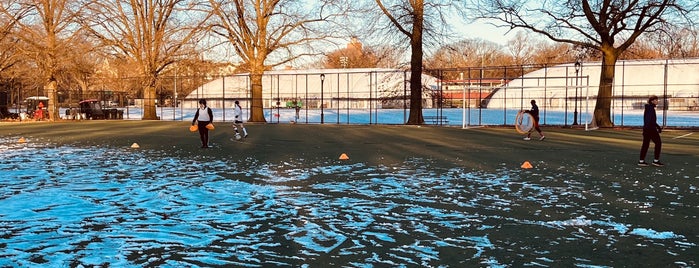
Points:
[(344, 100)]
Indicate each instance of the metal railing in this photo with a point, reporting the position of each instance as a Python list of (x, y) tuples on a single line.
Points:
[(566, 95)]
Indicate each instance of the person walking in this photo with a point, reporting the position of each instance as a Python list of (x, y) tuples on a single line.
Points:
[(297, 107), (651, 132), (535, 113), (238, 121), (203, 117)]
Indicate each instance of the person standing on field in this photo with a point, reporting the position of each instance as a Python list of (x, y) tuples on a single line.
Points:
[(238, 121), (651, 132), (535, 113), (203, 117)]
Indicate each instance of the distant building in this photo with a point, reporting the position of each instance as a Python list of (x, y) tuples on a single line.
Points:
[(468, 92), (362, 88), (634, 82)]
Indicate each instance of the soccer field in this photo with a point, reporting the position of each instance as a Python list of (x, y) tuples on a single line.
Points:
[(76, 193)]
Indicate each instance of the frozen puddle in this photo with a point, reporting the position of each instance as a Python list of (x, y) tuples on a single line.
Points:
[(126, 208)]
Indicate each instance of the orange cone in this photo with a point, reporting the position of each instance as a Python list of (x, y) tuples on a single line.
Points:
[(344, 156), (527, 165), (22, 140), (135, 146)]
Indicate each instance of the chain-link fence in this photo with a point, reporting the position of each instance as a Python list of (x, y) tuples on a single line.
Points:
[(566, 95)]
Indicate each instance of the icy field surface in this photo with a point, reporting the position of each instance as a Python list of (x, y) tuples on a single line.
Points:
[(68, 206)]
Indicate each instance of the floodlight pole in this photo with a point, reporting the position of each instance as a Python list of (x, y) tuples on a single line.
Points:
[(127, 106), (463, 101), (322, 116), (575, 113)]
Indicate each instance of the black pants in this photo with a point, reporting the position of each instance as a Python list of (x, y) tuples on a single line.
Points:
[(204, 133), (536, 125), (651, 135)]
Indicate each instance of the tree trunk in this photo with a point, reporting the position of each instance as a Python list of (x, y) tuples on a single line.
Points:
[(602, 114), (256, 109), (51, 93), (415, 116), (149, 112)]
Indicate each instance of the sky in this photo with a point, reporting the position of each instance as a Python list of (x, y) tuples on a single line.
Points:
[(474, 30), (485, 31)]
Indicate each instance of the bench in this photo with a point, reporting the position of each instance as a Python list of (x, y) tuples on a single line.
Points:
[(436, 119)]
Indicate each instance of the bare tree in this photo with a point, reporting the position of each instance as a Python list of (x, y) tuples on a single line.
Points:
[(152, 34), (388, 56), (45, 31), (607, 26), (84, 59), (10, 13), (270, 33), (548, 53), (673, 42), (412, 29), (644, 49), (355, 55), (468, 53), (413, 20), (522, 48)]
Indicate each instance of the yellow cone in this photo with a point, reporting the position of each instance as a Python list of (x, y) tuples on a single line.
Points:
[(135, 145), (527, 165), (22, 140), (344, 156)]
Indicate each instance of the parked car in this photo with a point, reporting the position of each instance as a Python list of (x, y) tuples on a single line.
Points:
[(92, 108)]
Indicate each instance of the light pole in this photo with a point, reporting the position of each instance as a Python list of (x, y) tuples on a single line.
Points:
[(128, 103), (174, 106), (575, 113), (322, 116), (176, 67)]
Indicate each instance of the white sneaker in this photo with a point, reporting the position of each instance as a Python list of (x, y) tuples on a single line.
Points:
[(527, 138), (542, 138)]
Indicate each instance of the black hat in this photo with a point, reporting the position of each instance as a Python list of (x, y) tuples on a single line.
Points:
[(652, 98)]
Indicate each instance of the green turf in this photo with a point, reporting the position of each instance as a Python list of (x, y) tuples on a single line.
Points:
[(604, 152)]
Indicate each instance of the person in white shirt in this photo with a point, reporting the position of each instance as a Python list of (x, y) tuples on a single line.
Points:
[(203, 117), (238, 121)]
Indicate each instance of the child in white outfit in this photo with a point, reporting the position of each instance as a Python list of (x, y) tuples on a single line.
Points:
[(238, 122)]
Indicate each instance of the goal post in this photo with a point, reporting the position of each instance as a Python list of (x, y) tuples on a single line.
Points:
[(590, 123)]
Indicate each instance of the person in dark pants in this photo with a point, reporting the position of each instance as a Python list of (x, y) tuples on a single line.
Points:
[(651, 132), (203, 117), (535, 113)]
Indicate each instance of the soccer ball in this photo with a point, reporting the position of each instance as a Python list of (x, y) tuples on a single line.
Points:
[(238, 137)]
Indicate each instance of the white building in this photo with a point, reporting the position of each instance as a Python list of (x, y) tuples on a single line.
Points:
[(332, 88), (634, 81)]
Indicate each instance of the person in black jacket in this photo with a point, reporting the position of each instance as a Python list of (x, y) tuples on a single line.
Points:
[(203, 117), (651, 132), (535, 113)]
